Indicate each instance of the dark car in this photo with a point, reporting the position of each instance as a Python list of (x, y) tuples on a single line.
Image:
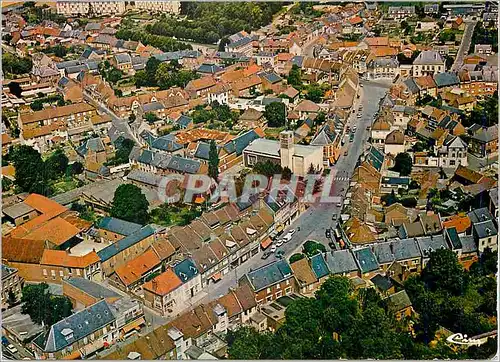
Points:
[(328, 233), (266, 255), (280, 254)]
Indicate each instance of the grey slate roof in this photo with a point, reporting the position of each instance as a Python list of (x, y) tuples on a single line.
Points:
[(184, 165), (366, 260), (166, 143), (186, 270), (319, 266), (411, 85), (17, 210), (468, 244), (209, 68), (446, 79), (269, 274), (428, 57), (91, 288), (340, 261), (92, 144), (485, 229), (122, 244), (80, 324), (119, 226), (203, 150), (184, 121), (153, 106), (481, 214), (381, 282), (241, 142), (271, 77), (427, 244), (123, 58), (147, 178)]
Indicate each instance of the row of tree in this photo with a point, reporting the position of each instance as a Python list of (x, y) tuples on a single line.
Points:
[(33, 174), (16, 65), (340, 322), (164, 43), (209, 22), (164, 75)]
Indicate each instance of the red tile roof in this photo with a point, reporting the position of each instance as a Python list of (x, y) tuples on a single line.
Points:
[(163, 283)]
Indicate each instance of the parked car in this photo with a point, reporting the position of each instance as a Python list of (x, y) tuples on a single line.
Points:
[(328, 234), (288, 235), (339, 204), (280, 254), (346, 153), (279, 243), (266, 254), (273, 248), (334, 217), (11, 348)]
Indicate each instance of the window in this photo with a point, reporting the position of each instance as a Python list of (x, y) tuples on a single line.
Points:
[(78, 272), (269, 298), (278, 294), (288, 282), (278, 286), (45, 272), (288, 290), (53, 273), (61, 273), (268, 290), (26, 217)]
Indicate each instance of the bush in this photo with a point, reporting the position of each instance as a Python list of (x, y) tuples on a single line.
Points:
[(312, 247), (296, 257)]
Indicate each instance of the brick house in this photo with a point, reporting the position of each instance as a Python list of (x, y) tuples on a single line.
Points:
[(271, 281)]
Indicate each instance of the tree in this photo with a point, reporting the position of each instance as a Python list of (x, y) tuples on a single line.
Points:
[(247, 343), (286, 174), (389, 199), (57, 164), (295, 77), (75, 168), (151, 117), (213, 161), (222, 44), (312, 247), (403, 164), (443, 271), (16, 65), (275, 113), (122, 152), (267, 168), (314, 93), (42, 306), (296, 257), (129, 203), (31, 174)]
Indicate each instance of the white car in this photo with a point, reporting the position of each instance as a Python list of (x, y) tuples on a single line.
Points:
[(280, 242), (273, 248), (288, 235), (11, 348), (339, 204)]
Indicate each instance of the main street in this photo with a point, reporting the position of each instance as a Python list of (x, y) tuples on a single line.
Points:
[(314, 221), (464, 45), (119, 123)]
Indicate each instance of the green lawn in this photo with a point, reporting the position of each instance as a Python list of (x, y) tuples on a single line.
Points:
[(64, 184)]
